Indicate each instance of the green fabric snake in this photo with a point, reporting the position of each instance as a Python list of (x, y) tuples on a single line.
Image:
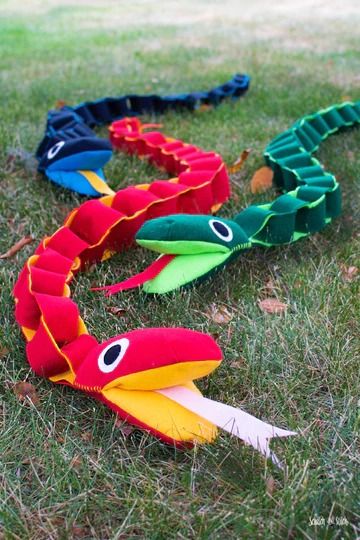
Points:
[(194, 246)]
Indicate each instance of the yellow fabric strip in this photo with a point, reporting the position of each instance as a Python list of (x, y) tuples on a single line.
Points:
[(97, 183)]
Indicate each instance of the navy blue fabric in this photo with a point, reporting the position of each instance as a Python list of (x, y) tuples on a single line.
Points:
[(68, 130)]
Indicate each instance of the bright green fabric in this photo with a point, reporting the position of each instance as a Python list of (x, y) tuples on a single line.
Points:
[(184, 269), (182, 247)]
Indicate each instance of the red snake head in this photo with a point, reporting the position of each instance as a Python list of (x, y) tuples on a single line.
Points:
[(148, 359)]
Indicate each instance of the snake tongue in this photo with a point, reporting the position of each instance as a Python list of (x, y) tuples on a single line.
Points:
[(170, 272), (184, 269), (139, 279)]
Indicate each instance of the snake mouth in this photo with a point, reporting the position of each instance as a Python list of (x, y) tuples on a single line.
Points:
[(191, 248), (183, 270), (148, 359)]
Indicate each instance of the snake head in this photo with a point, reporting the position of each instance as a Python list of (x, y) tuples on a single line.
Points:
[(200, 245), (148, 359), (70, 150)]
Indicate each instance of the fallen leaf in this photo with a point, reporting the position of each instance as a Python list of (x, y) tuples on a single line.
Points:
[(125, 428), (86, 436), (117, 311), (3, 352), (17, 247), (239, 162), (79, 532), (25, 391), (60, 103), (270, 286), (204, 107), (346, 98), (262, 180), (238, 363), (349, 273), (270, 485), (219, 314), (76, 462), (272, 305)]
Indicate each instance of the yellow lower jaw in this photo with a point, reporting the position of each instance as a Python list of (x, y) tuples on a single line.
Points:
[(163, 415), (165, 376)]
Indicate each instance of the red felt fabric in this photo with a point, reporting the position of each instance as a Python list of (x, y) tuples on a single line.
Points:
[(78, 349), (135, 281), (43, 355), (27, 312), (131, 200), (67, 243), (89, 231), (46, 282), (149, 348), (61, 316), (54, 262)]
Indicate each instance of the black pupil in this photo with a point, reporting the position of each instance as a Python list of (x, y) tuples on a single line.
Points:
[(112, 354), (220, 228)]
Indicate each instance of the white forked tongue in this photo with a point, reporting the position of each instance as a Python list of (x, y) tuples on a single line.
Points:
[(246, 427)]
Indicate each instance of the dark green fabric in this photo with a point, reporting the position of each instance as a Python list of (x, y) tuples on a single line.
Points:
[(314, 196), (185, 232), (311, 199)]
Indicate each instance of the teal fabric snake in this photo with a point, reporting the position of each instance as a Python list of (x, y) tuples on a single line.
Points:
[(193, 247)]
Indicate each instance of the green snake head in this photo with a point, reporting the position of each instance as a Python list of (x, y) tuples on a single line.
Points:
[(199, 244)]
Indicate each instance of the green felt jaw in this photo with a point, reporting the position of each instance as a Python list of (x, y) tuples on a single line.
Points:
[(184, 269), (183, 247)]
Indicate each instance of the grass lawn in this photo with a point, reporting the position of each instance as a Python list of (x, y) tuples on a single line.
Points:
[(68, 468)]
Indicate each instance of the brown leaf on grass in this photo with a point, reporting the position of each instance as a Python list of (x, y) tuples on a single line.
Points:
[(349, 273), (117, 311), (219, 314), (239, 363), (25, 391), (270, 485), (16, 247), (79, 532), (60, 103), (3, 352), (76, 462), (270, 287), (125, 428), (237, 165), (204, 107), (346, 98), (262, 180), (86, 436), (272, 305)]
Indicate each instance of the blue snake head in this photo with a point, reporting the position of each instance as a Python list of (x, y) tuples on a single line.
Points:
[(72, 156)]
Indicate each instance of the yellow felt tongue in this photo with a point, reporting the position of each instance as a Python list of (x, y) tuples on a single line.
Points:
[(165, 376), (97, 183)]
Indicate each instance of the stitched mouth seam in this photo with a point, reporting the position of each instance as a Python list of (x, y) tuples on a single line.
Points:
[(241, 247), (88, 388)]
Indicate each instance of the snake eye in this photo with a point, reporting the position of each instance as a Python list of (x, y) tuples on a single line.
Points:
[(112, 355), (55, 149), (221, 230)]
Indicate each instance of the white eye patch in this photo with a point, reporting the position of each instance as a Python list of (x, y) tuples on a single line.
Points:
[(55, 149), (112, 355), (221, 230)]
